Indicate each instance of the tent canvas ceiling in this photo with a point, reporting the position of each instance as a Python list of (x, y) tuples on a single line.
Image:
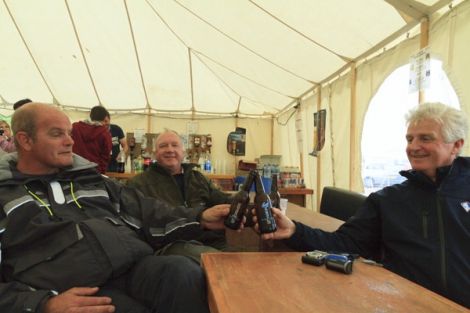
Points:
[(227, 57)]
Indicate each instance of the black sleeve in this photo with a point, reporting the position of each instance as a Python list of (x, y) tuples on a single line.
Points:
[(361, 234), (159, 222)]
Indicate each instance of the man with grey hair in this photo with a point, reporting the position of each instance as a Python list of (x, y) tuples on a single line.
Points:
[(419, 229), (180, 184)]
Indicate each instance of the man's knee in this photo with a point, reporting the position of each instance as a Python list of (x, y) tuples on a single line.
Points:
[(173, 267)]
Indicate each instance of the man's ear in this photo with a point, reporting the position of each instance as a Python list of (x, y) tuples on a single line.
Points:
[(457, 146), (24, 141)]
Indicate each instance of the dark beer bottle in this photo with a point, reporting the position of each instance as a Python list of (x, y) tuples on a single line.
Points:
[(263, 206), (240, 203), (274, 195)]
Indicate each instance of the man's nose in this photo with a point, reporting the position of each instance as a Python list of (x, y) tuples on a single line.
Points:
[(413, 144), (69, 140)]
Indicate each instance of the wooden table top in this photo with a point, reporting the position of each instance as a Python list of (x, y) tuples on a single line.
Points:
[(278, 282), (311, 218), (249, 240)]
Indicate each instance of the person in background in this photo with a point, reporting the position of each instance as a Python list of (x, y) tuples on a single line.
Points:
[(20, 103), (73, 240), (7, 142), (419, 229), (92, 138), (119, 141), (179, 183)]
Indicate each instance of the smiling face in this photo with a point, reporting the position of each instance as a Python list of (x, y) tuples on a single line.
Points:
[(426, 148), (169, 151), (50, 148)]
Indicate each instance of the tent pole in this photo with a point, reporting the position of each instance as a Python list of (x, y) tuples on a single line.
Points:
[(192, 86), (423, 43), (353, 171), (319, 184)]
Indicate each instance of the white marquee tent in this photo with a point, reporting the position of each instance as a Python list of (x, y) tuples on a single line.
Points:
[(230, 63), (245, 57)]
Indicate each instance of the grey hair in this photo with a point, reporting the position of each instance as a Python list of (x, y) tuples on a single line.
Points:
[(453, 122), (166, 131)]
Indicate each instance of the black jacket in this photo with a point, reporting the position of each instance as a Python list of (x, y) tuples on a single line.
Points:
[(199, 192), (75, 228), (417, 229)]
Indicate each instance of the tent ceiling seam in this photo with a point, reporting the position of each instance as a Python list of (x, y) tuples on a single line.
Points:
[(77, 37), (364, 55), (244, 46), (28, 49), (241, 75), (191, 81), (196, 53), (199, 54), (134, 44), (344, 58), (238, 105)]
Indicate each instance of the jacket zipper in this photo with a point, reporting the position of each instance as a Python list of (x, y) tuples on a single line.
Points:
[(425, 215), (440, 221)]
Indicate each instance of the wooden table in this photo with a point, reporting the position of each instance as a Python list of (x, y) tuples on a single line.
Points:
[(249, 240), (278, 282), (296, 195)]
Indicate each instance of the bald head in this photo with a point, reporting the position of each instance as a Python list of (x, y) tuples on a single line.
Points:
[(43, 138), (25, 118)]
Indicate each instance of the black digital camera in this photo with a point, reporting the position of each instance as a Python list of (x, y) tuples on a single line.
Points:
[(315, 257), (1, 131), (338, 262)]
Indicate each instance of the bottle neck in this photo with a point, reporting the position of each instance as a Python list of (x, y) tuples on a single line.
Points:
[(248, 182), (259, 185)]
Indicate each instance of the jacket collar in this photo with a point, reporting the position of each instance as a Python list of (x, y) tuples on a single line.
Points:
[(441, 175), (9, 172)]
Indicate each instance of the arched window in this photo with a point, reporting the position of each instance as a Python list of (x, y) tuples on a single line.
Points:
[(383, 137)]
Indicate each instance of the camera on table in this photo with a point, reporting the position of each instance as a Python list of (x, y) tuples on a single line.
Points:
[(338, 262), (315, 257)]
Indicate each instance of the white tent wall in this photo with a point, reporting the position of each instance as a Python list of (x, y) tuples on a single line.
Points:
[(448, 40)]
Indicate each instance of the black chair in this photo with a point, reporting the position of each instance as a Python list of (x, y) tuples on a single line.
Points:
[(340, 203)]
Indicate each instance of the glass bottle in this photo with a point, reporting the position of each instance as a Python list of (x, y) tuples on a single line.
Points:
[(121, 162), (263, 207), (274, 195), (240, 203)]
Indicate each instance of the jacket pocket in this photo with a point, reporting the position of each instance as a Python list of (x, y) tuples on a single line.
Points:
[(69, 261), (120, 244)]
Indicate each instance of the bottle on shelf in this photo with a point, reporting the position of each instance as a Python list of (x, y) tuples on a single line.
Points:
[(239, 203), (208, 164), (121, 162), (139, 164), (274, 195), (263, 207)]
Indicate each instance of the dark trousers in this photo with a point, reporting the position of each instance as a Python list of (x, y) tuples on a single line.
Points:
[(159, 284)]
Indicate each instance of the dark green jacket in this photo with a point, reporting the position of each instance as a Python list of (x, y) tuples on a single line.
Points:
[(200, 193)]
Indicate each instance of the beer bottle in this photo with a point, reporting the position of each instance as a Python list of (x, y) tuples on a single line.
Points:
[(239, 204), (121, 162), (263, 206), (274, 195)]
